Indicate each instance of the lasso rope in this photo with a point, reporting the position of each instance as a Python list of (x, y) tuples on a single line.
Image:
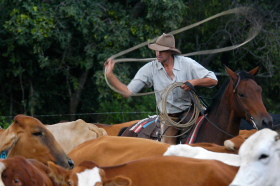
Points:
[(253, 32)]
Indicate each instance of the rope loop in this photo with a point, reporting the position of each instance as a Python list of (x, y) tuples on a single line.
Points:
[(245, 11)]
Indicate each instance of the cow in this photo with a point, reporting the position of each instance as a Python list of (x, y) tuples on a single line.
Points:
[(260, 159), (114, 150), (158, 170), (29, 138), (114, 130), (202, 153), (231, 145), (235, 143), (20, 171), (71, 134)]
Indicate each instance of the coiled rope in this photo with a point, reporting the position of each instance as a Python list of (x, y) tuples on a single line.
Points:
[(197, 106)]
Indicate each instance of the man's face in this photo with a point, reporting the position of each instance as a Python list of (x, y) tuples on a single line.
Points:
[(163, 56)]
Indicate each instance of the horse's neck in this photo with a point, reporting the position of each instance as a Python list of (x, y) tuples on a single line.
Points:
[(224, 114)]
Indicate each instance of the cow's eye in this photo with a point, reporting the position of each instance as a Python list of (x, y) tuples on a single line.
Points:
[(263, 156), (37, 133), (17, 181)]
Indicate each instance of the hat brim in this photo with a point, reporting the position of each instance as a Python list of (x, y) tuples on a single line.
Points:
[(163, 48)]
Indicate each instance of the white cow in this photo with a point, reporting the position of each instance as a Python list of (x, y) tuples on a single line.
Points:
[(185, 150), (71, 134), (260, 160)]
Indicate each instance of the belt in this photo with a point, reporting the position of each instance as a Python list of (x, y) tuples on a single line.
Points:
[(175, 114)]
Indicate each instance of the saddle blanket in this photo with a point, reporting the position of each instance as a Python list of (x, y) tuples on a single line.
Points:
[(192, 137), (144, 123)]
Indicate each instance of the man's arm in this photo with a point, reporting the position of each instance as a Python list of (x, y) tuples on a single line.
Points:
[(115, 82)]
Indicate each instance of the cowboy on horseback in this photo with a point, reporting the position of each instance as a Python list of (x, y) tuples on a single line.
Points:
[(168, 68)]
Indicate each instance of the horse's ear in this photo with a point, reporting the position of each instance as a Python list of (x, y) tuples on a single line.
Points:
[(231, 74), (254, 71)]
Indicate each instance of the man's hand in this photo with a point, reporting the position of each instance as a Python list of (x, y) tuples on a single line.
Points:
[(109, 65), (187, 86)]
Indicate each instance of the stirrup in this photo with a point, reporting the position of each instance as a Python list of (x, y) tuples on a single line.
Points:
[(159, 136)]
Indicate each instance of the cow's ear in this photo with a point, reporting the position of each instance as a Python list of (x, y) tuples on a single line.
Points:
[(8, 139), (118, 181), (57, 173)]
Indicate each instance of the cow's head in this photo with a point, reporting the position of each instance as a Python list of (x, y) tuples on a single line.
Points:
[(19, 171), (86, 173), (29, 138), (260, 157)]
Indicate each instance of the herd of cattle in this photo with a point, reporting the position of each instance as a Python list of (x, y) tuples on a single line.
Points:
[(84, 154)]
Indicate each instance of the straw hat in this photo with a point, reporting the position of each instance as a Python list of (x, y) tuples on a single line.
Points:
[(165, 42)]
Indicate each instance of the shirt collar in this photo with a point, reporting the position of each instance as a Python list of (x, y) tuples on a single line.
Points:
[(176, 63), (158, 65)]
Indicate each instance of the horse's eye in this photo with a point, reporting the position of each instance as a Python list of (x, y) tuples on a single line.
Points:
[(241, 95)]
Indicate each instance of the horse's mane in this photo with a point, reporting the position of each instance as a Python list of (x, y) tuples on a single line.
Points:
[(246, 75), (217, 98)]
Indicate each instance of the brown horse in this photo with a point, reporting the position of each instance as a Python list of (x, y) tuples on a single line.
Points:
[(239, 98)]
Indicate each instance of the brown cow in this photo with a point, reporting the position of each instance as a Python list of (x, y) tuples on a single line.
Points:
[(29, 138), (235, 143), (71, 134), (231, 145), (153, 171), (18, 171), (113, 130), (114, 150)]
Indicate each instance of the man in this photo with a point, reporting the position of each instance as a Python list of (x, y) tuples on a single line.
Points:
[(168, 68)]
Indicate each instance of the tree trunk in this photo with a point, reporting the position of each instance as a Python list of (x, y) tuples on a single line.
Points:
[(75, 97)]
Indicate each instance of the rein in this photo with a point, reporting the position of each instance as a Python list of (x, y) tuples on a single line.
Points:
[(197, 109), (235, 92)]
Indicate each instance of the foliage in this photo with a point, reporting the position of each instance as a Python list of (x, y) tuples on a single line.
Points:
[(5, 122)]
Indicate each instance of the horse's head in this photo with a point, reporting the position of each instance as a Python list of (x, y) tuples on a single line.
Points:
[(248, 95)]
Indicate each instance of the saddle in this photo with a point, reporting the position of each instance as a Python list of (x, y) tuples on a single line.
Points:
[(148, 128)]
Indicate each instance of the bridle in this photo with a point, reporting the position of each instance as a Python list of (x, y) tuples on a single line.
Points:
[(235, 92)]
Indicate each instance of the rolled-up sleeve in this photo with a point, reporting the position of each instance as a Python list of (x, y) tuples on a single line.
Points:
[(142, 79)]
